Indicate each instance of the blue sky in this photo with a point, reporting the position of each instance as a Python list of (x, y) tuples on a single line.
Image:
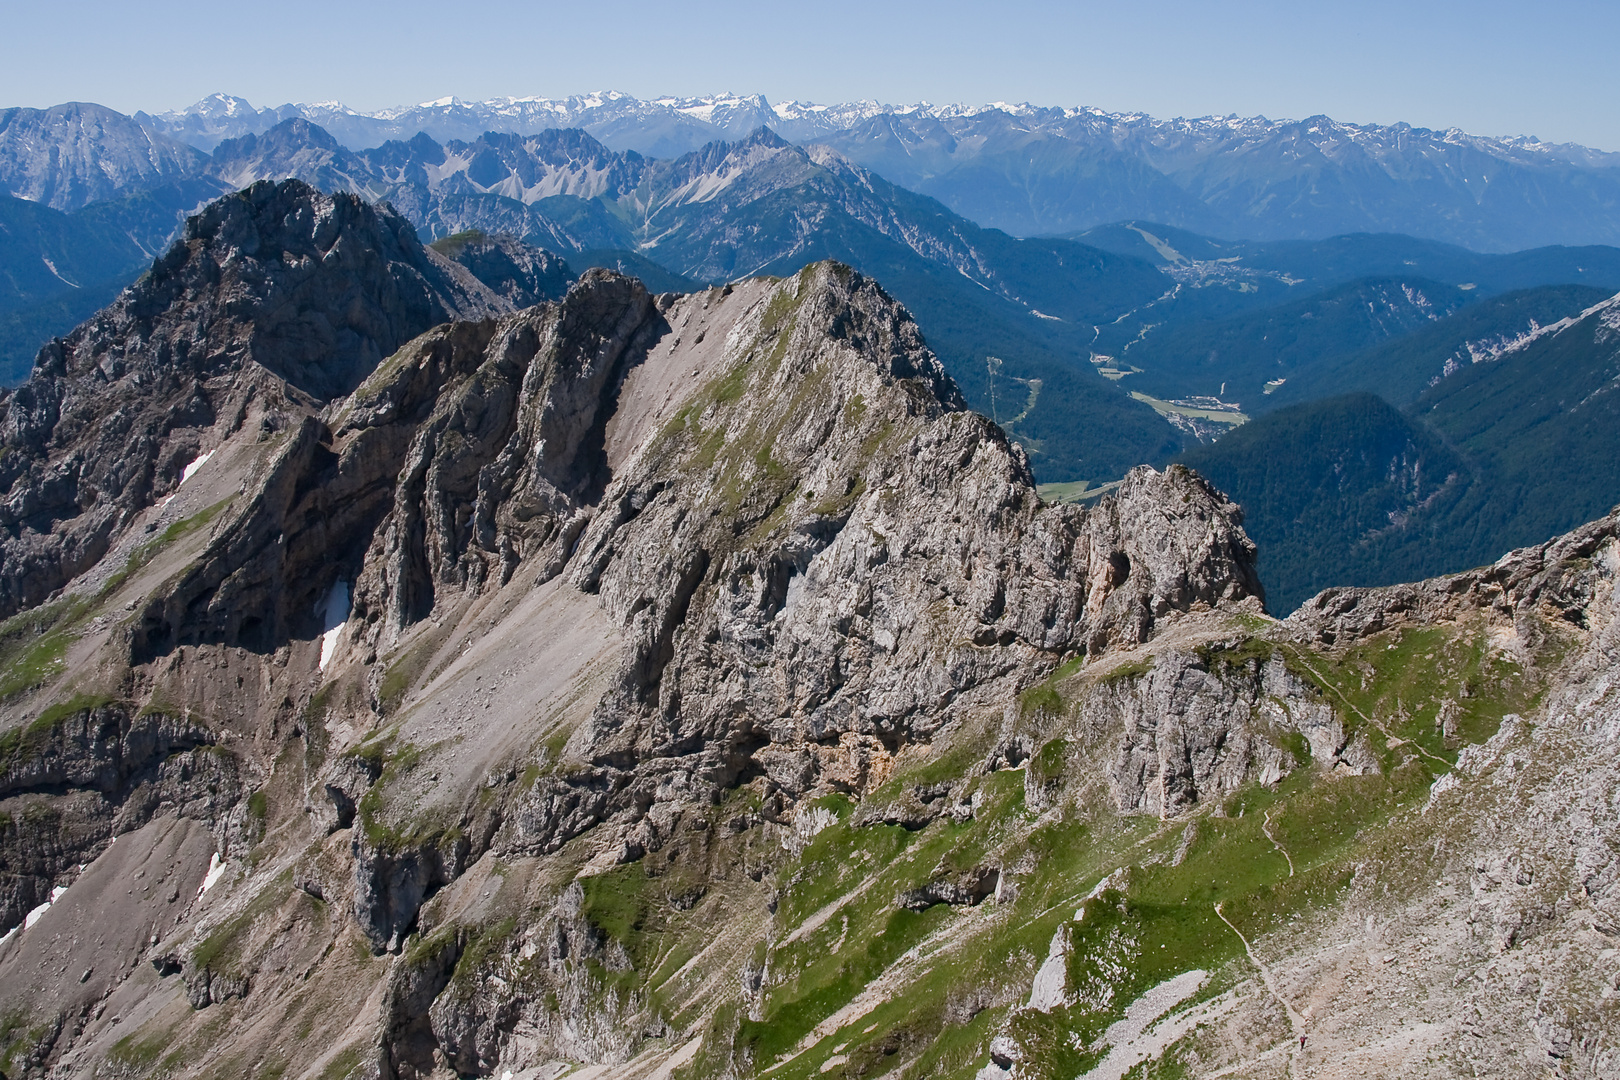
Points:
[(1545, 69)]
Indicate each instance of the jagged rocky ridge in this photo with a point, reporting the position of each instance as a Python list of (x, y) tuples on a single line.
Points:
[(276, 291), (802, 551), (573, 684)]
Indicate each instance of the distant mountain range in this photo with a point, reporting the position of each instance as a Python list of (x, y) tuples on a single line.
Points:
[(1025, 169), (998, 309), (1166, 311)]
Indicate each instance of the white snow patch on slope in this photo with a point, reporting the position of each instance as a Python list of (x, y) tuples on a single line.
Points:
[(216, 870), (38, 913), (190, 470), (336, 613)]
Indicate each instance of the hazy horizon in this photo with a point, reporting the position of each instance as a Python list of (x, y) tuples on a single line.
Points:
[(898, 105), (1490, 68)]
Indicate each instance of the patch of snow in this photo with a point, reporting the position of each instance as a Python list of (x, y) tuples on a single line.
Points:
[(216, 870), (191, 470), (38, 913), (333, 618), (1608, 314)]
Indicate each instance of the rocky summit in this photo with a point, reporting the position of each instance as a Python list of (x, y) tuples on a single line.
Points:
[(469, 670)]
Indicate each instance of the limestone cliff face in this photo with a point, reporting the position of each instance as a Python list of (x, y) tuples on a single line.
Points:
[(613, 575), (1195, 730), (277, 290), (814, 556)]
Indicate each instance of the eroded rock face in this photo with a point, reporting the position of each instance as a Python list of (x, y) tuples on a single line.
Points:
[(507, 462), (562, 959), (522, 275), (817, 558), (1554, 580), (778, 548), (814, 555), (391, 881), (1196, 728), (109, 771), (277, 290)]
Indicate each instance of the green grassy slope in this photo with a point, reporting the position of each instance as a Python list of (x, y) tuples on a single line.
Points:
[(860, 984)]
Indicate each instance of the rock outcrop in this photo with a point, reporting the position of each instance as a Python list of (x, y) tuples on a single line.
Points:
[(273, 292), (607, 562), (1197, 728), (632, 672), (109, 770), (522, 275), (815, 560), (1554, 580)]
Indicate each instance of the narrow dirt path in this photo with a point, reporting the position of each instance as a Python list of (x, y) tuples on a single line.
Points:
[(1295, 1021), (1265, 827), (1394, 739)]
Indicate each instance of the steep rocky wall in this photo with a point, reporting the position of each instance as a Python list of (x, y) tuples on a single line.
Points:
[(71, 783), (815, 556), (1197, 728), (881, 566), (277, 280), (816, 559), (768, 555), (508, 460)]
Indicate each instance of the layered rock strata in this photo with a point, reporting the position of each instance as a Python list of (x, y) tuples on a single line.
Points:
[(276, 291), (610, 577)]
